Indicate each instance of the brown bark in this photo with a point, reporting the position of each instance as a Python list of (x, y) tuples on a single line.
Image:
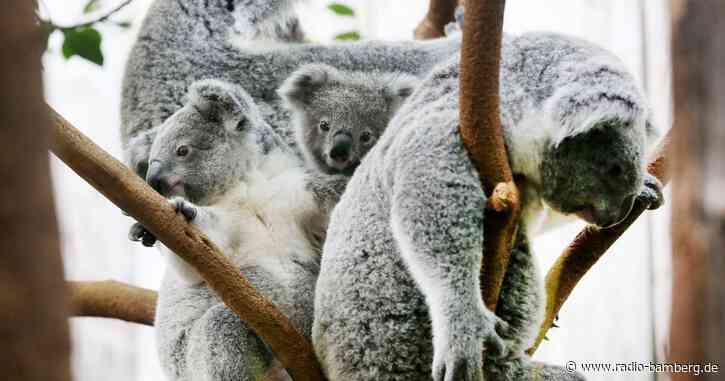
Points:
[(589, 245), (481, 134), (697, 326), (130, 193), (111, 299), (34, 337), (440, 13)]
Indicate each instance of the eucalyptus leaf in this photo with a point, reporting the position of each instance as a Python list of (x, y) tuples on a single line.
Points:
[(92, 6), (348, 36), (341, 9), (84, 42)]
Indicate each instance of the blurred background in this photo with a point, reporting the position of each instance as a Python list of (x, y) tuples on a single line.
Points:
[(619, 312)]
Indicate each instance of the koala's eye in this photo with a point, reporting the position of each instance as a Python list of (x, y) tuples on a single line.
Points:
[(615, 171), (182, 151), (324, 125), (366, 137), (242, 124)]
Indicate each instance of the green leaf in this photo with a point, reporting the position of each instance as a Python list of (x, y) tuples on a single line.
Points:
[(341, 9), (92, 6), (348, 36), (84, 42), (124, 24)]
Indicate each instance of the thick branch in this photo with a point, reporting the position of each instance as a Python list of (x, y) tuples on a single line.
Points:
[(589, 245), (481, 134), (130, 193), (111, 299), (440, 13)]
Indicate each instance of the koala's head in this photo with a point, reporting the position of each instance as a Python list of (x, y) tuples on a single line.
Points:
[(208, 145), (596, 174), (339, 115)]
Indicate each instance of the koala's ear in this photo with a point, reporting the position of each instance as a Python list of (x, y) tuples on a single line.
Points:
[(299, 88), (401, 87), (219, 102)]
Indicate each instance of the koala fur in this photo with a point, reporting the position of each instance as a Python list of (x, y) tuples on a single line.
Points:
[(398, 294), (339, 115), (229, 174), (182, 41)]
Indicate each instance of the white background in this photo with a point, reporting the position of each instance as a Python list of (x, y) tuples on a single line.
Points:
[(618, 313)]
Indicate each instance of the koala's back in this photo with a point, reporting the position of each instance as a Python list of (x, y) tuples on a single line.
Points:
[(367, 306)]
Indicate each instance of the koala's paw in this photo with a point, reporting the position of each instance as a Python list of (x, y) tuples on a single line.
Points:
[(138, 233), (652, 192), (460, 355), (183, 207)]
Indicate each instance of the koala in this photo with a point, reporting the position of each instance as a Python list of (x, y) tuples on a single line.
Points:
[(398, 294), (182, 41), (228, 173), (339, 115)]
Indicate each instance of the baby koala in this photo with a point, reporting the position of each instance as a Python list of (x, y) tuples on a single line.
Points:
[(339, 115), (225, 170)]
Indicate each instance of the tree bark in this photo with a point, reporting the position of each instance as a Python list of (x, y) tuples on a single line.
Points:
[(130, 193), (697, 326), (589, 245), (440, 13), (34, 335), (481, 134), (111, 299)]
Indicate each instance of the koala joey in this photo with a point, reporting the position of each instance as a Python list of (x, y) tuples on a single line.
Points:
[(339, 115), (399, 277), (229, 174)]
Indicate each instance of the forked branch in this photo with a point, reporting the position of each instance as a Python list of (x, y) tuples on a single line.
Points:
[(589, 245), (130, 193), (482, 135), (440, 13)]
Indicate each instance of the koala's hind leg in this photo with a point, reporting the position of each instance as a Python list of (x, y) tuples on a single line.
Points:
[(222, 348)]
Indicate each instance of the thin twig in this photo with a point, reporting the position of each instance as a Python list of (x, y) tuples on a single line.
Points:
[(111, 299), (99, 19)]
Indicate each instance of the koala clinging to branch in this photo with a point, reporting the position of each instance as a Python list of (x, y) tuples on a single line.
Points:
[(228, 173), (339, 115), (398, 296)]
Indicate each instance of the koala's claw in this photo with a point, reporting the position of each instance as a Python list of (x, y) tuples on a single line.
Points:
[(139, 233), (652, 192), (183, 207)]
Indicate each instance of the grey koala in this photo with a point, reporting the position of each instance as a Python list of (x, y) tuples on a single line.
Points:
[(398, 294), (339, 115), (232, 176), (182, 41)]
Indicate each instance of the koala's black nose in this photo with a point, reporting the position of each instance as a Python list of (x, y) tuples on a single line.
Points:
[(341, 147), (155, 178)]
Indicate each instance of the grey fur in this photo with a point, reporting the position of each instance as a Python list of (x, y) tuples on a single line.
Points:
[(253, 198), (182, 41), (403, 252), (330, 105)]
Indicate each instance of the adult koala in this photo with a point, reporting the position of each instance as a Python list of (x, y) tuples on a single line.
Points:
[(182, 41), (398, 295), (229, 174)]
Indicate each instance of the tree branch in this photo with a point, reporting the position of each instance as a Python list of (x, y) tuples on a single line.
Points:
[(111, 299), (589, 245), (130, 193), (440, 13), (481, 134)]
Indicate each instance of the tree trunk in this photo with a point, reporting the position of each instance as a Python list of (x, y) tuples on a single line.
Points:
[(34, 336), (698, 212)]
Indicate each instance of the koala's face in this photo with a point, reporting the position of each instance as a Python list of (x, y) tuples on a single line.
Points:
[(596, 175), (340, 115), (208, 145)]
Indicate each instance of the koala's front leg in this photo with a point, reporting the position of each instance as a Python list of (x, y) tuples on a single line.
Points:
[(652, 192), (437, 222)]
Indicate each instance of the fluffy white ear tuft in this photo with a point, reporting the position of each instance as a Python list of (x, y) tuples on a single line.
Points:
[(400, 87), (298, 89)]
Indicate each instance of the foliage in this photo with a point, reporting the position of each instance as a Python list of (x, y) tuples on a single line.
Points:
[(344, 11)]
